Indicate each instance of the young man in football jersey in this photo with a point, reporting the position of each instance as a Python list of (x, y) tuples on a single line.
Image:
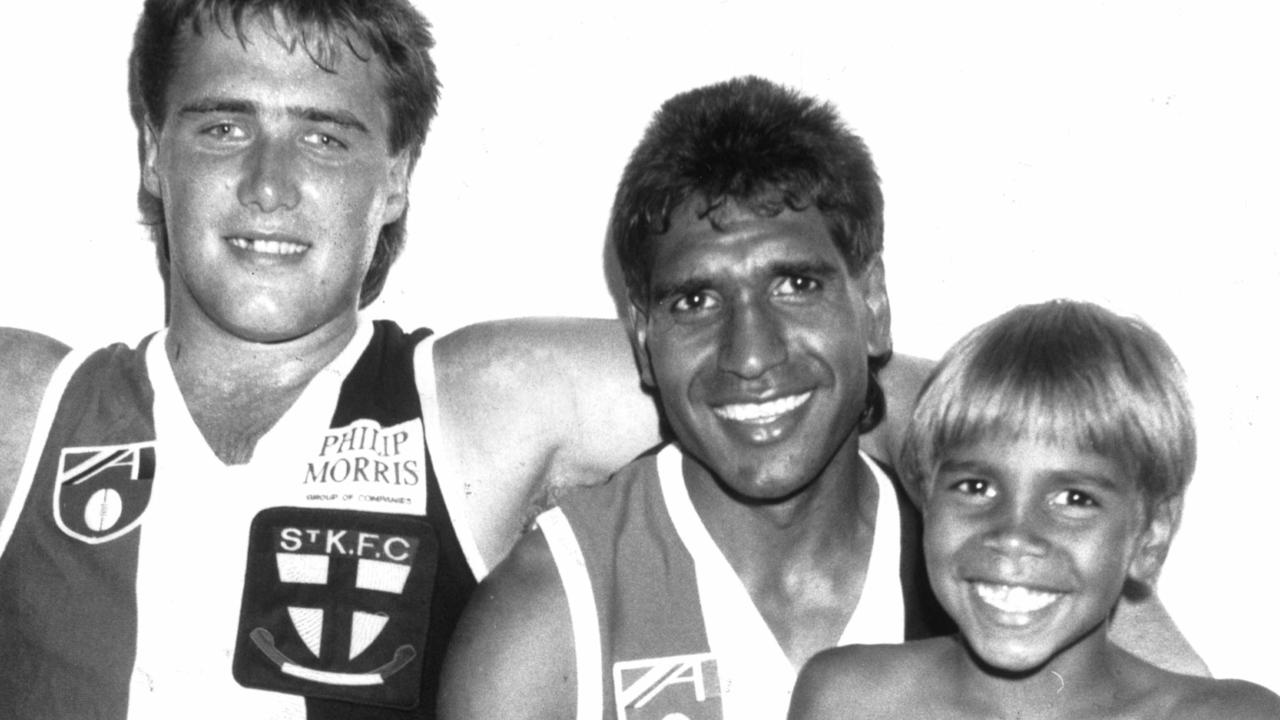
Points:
[(240, 515)]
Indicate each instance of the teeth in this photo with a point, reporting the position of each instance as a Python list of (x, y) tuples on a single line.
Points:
[(761, 413), (1015, 598), (268, 247)]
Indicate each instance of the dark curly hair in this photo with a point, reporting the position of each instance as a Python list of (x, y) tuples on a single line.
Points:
[(757, 144)]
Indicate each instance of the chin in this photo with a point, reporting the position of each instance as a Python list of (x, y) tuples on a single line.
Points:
[(270, 330), (278, 323), (767, 485), (1023, 656), (1010, 661)]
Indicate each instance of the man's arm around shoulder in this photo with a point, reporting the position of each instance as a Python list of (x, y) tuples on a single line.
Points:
[(1144, 627), (529, 407), (512, 654), (901, 381), (27, 360)]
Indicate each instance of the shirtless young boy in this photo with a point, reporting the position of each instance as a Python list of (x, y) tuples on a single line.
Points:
[(1051, 449)]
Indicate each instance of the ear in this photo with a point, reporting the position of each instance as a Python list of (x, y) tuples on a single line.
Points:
[(397, 188), (150, 158), (638, 325), (1153, 544), (876, 297)]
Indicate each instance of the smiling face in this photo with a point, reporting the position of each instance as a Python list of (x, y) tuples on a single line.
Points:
[(756, 337), (276, 179), (1028, 545)]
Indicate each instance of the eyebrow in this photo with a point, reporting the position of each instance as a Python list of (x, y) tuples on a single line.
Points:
[(965, 466), (819, 269), (1073, 476), (679, 288), (209, 106), (340, 118)]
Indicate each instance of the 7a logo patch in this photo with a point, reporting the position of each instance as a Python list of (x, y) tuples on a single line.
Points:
[(336, 604), (101, 492), (679, 687)]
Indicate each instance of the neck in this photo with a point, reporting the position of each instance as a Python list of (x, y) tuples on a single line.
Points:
[(803, 560), (236, 389), (831, 507)]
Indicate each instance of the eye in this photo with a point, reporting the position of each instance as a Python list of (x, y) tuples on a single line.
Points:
[(1074, 499), (975, 487), (693, 302), (798, 285), (324, 140), (224, 131)]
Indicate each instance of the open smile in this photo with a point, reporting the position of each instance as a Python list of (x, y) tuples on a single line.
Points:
[(761, 413), (268, 246), (1015, 604)]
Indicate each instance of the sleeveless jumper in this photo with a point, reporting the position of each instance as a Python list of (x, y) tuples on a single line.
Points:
[(142, 578), (664, 628)]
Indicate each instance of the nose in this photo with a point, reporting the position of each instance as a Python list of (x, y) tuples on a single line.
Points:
[(268, 178), (752, 341), (1016, 531)]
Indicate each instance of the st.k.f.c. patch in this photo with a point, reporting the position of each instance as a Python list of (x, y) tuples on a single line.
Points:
[(336, 604)]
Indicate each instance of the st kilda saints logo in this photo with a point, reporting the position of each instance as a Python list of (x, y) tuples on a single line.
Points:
[(336, 605), (101, 492)]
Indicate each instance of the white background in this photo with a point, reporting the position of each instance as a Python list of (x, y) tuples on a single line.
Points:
[(1124, 153)]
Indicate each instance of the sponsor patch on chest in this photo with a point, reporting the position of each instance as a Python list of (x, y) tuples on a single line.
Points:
[(101, 492), (336, 604), (679, 687), (368, 466)]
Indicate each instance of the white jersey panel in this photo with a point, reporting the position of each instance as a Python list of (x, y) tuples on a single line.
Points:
[(756, 677), (194, 540)]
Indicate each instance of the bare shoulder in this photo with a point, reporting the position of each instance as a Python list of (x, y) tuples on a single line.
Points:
[(1155, 692), (901, 381), (517, 628), (826, 684), (27, 360), (877, 679), (528, 407), (1200, 698)]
